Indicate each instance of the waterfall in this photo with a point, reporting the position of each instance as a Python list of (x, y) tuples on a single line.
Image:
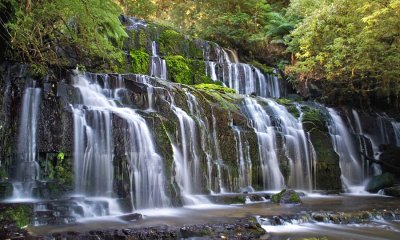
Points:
[(344, 145), (244, 78), (298, 148), (261, 122), (135, 24), (244, 161), (211, 70), (186, 155), (93, 148), (204, 128), (28, 168), (158, 65), (218, 156)]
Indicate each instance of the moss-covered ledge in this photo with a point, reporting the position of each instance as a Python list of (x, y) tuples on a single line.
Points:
[(327, 164)]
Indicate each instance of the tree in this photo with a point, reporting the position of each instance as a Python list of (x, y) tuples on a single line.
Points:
[(91, 28)]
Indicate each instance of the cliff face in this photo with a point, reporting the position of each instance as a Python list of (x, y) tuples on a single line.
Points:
[(169, 114)]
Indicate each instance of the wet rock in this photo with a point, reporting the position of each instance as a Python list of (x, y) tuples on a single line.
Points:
[(379, 182), (132, 217), (286, 196), (393, 191), (6, 190), (390, 159), (228, 199)]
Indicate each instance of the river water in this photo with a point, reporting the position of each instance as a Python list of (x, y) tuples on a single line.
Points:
[(376, 228)]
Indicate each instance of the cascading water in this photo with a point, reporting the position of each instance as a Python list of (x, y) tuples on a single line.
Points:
[(158, 65), (244, 78), (298, 148), (364, 140), (93, 148), (352, 172), (218, 156), (186, 154), (28, 168), (261, 122), (244, 161)]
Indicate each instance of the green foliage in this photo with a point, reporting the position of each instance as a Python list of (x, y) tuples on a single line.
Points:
[(60, 156), (314, 117), (21, 214), (91, 28), (140, 61), (343, 40), (214, 87), (264, 68), (171, 42), (179, 70), (138, 8)]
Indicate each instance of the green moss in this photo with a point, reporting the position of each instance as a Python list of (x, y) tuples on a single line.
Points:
[(140, 61), (214, 87), (21, 214), (264, 68), (179, 69), (199, 72), (171, 43), (294, 197), (290, 106), (314, 117)]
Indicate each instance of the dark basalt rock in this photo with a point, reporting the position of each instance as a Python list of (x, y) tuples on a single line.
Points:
[(246, 228), (393, 191), (379, 182)]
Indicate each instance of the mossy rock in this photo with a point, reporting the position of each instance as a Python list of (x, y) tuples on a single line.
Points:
[(314, 118), (379, 182), (140, 62), (179, 69), (264, 68), (6, 190), (186, 71), (286, 196), (214, 87), (290, 106), (171, 43), (19, 213)]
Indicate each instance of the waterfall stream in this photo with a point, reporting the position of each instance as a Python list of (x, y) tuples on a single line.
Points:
[(28, 171), (93, 151), (272, 176)]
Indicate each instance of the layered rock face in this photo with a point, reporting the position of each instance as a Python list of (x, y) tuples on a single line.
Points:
[(170, 129)]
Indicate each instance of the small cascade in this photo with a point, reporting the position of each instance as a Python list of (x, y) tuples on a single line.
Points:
[(218, 156), (298, 148), (364, 140), (158, 65), (135, 23), (204, 128), (350, 160), (261, 122), (244, 78), (93, 148), (150, 90), (244, 160), (186, 154), (396, 128), (211, 70), (27, 167)]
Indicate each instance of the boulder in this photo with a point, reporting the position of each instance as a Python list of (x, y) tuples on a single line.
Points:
[(379, 182), (286, 196), (393, 191)]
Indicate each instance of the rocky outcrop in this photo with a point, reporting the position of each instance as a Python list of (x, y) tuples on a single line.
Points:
[(286, 196), (380, 182)]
